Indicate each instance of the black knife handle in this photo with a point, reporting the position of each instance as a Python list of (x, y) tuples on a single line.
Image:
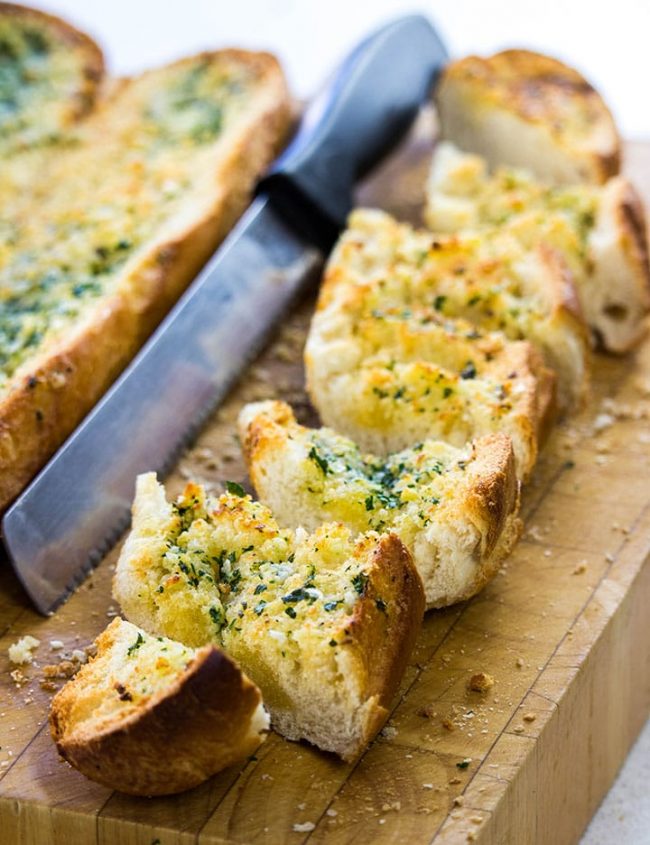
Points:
[(366, 108)]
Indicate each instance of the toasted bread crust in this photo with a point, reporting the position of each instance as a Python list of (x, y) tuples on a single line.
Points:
[(51, 393), (564, 130), (386, 653), (204, 723)]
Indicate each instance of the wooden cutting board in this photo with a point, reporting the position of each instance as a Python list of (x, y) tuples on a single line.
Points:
[(563, 630)]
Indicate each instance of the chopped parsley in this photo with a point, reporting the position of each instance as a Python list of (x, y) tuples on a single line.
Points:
[(235, 488), (320, 462), (359, 582), (135, 646)]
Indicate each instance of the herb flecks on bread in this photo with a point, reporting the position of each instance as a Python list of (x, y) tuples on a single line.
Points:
[(599, 229), (454, 509), (492, 282), (101, 234), (142, 694), (322, 623)]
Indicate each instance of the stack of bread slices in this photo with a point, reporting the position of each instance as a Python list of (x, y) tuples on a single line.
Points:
[(438, 360)]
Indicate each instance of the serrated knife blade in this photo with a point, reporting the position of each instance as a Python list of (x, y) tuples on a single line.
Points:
[(71, 514)]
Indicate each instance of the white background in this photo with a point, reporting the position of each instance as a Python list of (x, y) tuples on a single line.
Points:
[(607, 41)]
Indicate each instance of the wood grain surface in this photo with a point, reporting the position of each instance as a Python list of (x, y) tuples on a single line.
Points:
[(563, 630)]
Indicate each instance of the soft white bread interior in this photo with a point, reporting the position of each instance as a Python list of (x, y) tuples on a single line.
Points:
[(324, 623), (529, 110), (493, 282), (454, 509), (131, 208), (150, 716), (600, 230)]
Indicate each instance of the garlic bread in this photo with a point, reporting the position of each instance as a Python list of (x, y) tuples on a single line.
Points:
[(50, 75), (150, 716), (454, 509), (156, 177), (394, 376), (528, 110), (600, 230), (323, 623), (492, 282)]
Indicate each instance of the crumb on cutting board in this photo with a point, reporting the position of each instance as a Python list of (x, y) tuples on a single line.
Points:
[(480, 682), (20, 652)]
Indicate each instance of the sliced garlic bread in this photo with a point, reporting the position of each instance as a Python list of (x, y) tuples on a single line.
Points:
[(157, 176), (600, 229), (493, 282), (322, 623), (149, 716), (49, 78), (528, 110), (394, 376), (454, 509)]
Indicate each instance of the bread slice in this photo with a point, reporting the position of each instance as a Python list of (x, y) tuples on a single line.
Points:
[(601, 231), (157, 176), (50, 78), (454, 509), (394, 376), (149, 716), (493, 282), (324, 624), (528, 110)]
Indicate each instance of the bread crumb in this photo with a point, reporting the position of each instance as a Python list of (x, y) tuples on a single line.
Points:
[(519, 729), (580, 569), (56, 645), (331, 813), (448, 725), (458, 801), (427, 786), (481, 682), (20, 652), (471, 836), (305, 827), (529, 717), (389, 732), (519, 663), (609, 557), (602, 422), (426, 712)]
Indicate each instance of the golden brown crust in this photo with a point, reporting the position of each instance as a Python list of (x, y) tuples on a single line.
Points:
[(51, 397), (93, 68), (542, 92), (200, 726), (386, 651)]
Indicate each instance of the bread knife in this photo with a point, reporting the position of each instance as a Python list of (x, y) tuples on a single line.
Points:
[(63, 524)]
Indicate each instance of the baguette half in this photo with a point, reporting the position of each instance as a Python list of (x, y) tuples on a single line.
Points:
[(149, 716), (454, 509), (600, 230), (157, 177), (324, 624), (525, 109)]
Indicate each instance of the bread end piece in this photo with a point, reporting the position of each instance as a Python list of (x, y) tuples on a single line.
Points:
[(526, 109), (199, 719)]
